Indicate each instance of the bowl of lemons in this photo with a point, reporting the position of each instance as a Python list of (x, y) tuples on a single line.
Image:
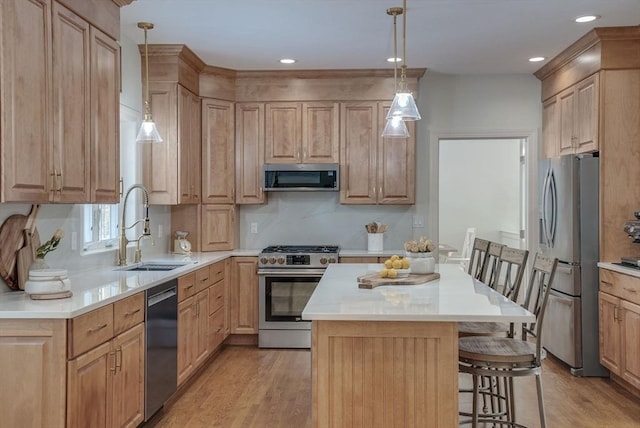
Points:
[(396, 267)]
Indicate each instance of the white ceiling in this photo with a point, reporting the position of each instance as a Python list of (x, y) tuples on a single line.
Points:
[(447, 36)]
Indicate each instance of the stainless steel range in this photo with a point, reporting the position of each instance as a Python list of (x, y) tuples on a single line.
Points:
[(288, 275)]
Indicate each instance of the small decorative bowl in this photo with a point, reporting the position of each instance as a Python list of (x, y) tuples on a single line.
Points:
[(402, 273)]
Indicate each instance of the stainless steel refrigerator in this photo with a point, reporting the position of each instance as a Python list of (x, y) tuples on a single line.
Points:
[(569, 231)]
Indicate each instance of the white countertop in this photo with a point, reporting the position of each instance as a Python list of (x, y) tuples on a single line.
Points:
[(365, 253), (95, 288), (454, 297), (620, 269)]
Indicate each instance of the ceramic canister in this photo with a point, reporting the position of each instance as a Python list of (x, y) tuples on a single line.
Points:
[(47, 281)]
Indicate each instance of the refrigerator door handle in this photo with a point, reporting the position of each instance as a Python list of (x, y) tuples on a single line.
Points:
[(554, 209), (545, 220)]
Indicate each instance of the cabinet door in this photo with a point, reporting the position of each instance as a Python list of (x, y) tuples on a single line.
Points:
[(358, 148), (89, 388), (218, 227), (396, 164), (550, 128), (186, 338), (586, 115), (218, 152), (26, 103), (189, 152), (216, 329), (71, 93), (283, 133), (105, 115), (609, 332), (128, 379), (630, 319), (249, 153), (202, 346), (244, 295), (160, 161), (33, 365), (320, 132), (566, 100), (227, 297)]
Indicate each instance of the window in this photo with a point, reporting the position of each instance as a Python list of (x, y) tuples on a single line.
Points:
[(100, 226)]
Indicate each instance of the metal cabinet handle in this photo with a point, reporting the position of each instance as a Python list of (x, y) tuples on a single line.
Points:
[(630, 290), (119, 362), (113, 353), (616, 316), (188, 287), (219, 297), (97, 328), (204, 279), (135, 311)]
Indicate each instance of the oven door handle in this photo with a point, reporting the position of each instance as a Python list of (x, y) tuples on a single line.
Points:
[(293, 273)]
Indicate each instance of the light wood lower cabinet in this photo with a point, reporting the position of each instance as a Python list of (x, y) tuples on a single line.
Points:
[(105, 386), (244, 295), (32, 373), (619, 316), (193, 332)]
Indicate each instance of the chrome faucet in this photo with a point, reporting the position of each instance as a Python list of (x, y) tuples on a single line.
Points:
[(146, 231)]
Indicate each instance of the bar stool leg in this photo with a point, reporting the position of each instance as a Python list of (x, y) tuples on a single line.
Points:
[(474, 412), (543, 420)]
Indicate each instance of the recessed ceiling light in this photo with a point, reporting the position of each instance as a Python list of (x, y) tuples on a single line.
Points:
[(392, 59), (287, 61), (587, 18), (537, 59)]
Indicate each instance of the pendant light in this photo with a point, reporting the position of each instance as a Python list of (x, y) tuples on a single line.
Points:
[(148, 132), (395, 126), (403, 103)]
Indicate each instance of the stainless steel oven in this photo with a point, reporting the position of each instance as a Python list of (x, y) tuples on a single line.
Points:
[(288, 275)]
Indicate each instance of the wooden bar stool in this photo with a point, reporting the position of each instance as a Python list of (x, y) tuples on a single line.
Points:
[(506, 357), (477, 258)]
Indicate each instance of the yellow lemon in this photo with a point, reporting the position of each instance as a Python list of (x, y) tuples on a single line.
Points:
[(395, 257), (405, 263), (388, 264), (384, 273), (397, 264), (392, 273)]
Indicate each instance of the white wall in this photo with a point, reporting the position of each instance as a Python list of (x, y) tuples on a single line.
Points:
[(479, 186)]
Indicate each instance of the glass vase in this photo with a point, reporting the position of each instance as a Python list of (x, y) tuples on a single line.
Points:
[(38, 264)]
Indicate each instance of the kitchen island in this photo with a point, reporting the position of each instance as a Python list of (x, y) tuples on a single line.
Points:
[(389, 356)]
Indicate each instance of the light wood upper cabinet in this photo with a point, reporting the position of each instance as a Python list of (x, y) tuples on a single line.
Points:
[(61, 146), (570, 120), (374, 170), (244, 295), (249, 153), (302, 132), (218, 152), (171, 170), (219, 227)]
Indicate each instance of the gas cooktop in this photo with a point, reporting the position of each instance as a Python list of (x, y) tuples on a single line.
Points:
[(301, 249), (298, 256)]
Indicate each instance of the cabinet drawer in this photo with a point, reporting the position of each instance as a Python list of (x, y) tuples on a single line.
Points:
[(216, 329), (186, 286), (90, 330), (202, 279), (216, 296), (620, 285), (127, 313), (216, 272)]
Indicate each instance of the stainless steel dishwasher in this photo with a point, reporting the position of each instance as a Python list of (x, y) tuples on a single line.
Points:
[(161, 357)]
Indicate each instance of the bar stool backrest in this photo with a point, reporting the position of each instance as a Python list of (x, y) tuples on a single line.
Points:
[(542, 275), (477, 258), (491, 265), (510, 272)]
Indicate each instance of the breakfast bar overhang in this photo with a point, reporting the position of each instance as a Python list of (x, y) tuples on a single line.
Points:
[(388, 356)]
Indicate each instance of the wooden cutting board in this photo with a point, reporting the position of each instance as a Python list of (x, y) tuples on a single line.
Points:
[(11, 240), (374, 280)]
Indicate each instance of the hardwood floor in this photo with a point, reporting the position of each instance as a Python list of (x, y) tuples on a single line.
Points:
[(260, 388)]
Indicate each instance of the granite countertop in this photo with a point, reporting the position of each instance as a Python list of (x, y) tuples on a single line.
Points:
[(98, 287), (456, 296)]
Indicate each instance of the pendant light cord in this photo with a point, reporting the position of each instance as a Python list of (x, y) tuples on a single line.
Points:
[(147, 106), (395, 52), (404, 44)]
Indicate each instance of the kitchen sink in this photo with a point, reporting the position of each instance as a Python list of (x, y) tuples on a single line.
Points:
[(151, 267)]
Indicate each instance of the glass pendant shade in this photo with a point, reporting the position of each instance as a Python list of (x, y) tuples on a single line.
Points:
[(395, 128), (404, 106), (148, 131)]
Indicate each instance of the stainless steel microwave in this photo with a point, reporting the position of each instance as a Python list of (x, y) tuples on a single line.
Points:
[(301, 177)]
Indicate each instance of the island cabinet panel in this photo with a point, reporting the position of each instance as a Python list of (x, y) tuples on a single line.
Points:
[(387, 374), (33, 359)]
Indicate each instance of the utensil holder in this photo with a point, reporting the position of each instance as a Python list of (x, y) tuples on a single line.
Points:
[(375, 242)]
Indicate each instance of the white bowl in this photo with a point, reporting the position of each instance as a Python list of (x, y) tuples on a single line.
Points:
[(402, 273)]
